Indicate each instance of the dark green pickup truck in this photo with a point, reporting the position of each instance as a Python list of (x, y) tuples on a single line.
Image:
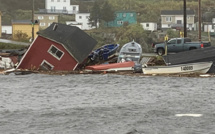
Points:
[(178, 45)]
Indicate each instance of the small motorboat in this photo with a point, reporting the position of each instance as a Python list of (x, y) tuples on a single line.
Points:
[(104, 52), (131, 51), (199, 67)]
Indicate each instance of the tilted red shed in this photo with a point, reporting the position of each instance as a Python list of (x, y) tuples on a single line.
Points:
[(59, 47)]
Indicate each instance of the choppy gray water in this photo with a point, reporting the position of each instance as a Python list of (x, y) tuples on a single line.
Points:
[(105, 104)]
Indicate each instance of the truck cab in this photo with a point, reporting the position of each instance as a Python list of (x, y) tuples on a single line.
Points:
[(178, 45)]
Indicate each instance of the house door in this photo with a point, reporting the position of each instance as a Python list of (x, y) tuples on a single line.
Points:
[(179, 22)]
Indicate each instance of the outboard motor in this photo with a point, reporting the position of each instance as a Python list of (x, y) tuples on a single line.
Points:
[(138, 68)]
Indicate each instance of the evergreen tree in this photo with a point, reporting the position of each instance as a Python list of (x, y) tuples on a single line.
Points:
[(95, 14), (107, 12)]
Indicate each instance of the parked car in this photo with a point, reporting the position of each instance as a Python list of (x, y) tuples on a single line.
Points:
[(178, 45)]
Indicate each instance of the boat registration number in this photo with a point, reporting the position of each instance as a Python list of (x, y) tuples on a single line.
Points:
[(185, 68)]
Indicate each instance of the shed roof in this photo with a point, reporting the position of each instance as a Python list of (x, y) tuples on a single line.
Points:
[(197, 55), (177, 12), (78, 43)]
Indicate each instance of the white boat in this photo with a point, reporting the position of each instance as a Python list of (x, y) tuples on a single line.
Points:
[(199, 67), (131, 51)]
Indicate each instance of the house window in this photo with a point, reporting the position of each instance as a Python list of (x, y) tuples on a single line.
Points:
[(168, 19), (80, 17), (74, 8), (52, 0), (52, 8), (46, 66), (57, 53), (131, 14), (147, 25), (49, 24), (42, 24), (64, 8), (188, 18), (117, 15), (51, 17), (119, 22), (213, 20), (124, 15), (58, 0), (64, 0), (40, 17)]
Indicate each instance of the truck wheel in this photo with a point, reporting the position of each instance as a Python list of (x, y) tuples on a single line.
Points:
[(160, 51)]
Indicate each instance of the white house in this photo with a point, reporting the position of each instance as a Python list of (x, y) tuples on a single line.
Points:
[(6, 29), (81, 21), (210, 27), (150, 26), (175, 19), (60, 6)]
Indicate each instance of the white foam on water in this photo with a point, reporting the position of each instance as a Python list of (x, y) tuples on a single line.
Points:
[(188, 115)]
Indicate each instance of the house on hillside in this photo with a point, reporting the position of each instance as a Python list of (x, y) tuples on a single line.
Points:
[(0, 25), (175, 19), (123, 18), (150, 26), (23, 26), (59, 7), (59, 47), (45, 19), (81, 21), (209, 27)]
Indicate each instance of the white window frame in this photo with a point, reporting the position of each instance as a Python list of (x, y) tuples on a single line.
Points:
[(74, 8), (131, 14), (119, 22), (213, 20), (51, 17), (188, 17), (54, 54), (42, 24), (44, 61), (124, 15), (64, 8), (168, 19), (40, 17)]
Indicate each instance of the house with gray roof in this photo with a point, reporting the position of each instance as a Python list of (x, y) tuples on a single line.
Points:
[(175, 19), (59, 48)]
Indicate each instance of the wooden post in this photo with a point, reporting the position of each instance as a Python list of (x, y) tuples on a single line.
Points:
[(166, 39), (185, 19), (199, 15), (32, 39)]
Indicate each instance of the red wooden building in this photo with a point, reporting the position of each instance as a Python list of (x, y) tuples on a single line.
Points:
[(59, 47)]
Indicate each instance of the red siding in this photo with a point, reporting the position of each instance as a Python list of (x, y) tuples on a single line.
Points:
[(39, 52)]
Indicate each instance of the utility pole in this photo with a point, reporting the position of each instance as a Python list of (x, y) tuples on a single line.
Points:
[(32, 39), (185, 18), (199, 15)]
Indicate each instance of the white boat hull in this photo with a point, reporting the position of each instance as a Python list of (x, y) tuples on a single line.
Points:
[(201, 68)]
